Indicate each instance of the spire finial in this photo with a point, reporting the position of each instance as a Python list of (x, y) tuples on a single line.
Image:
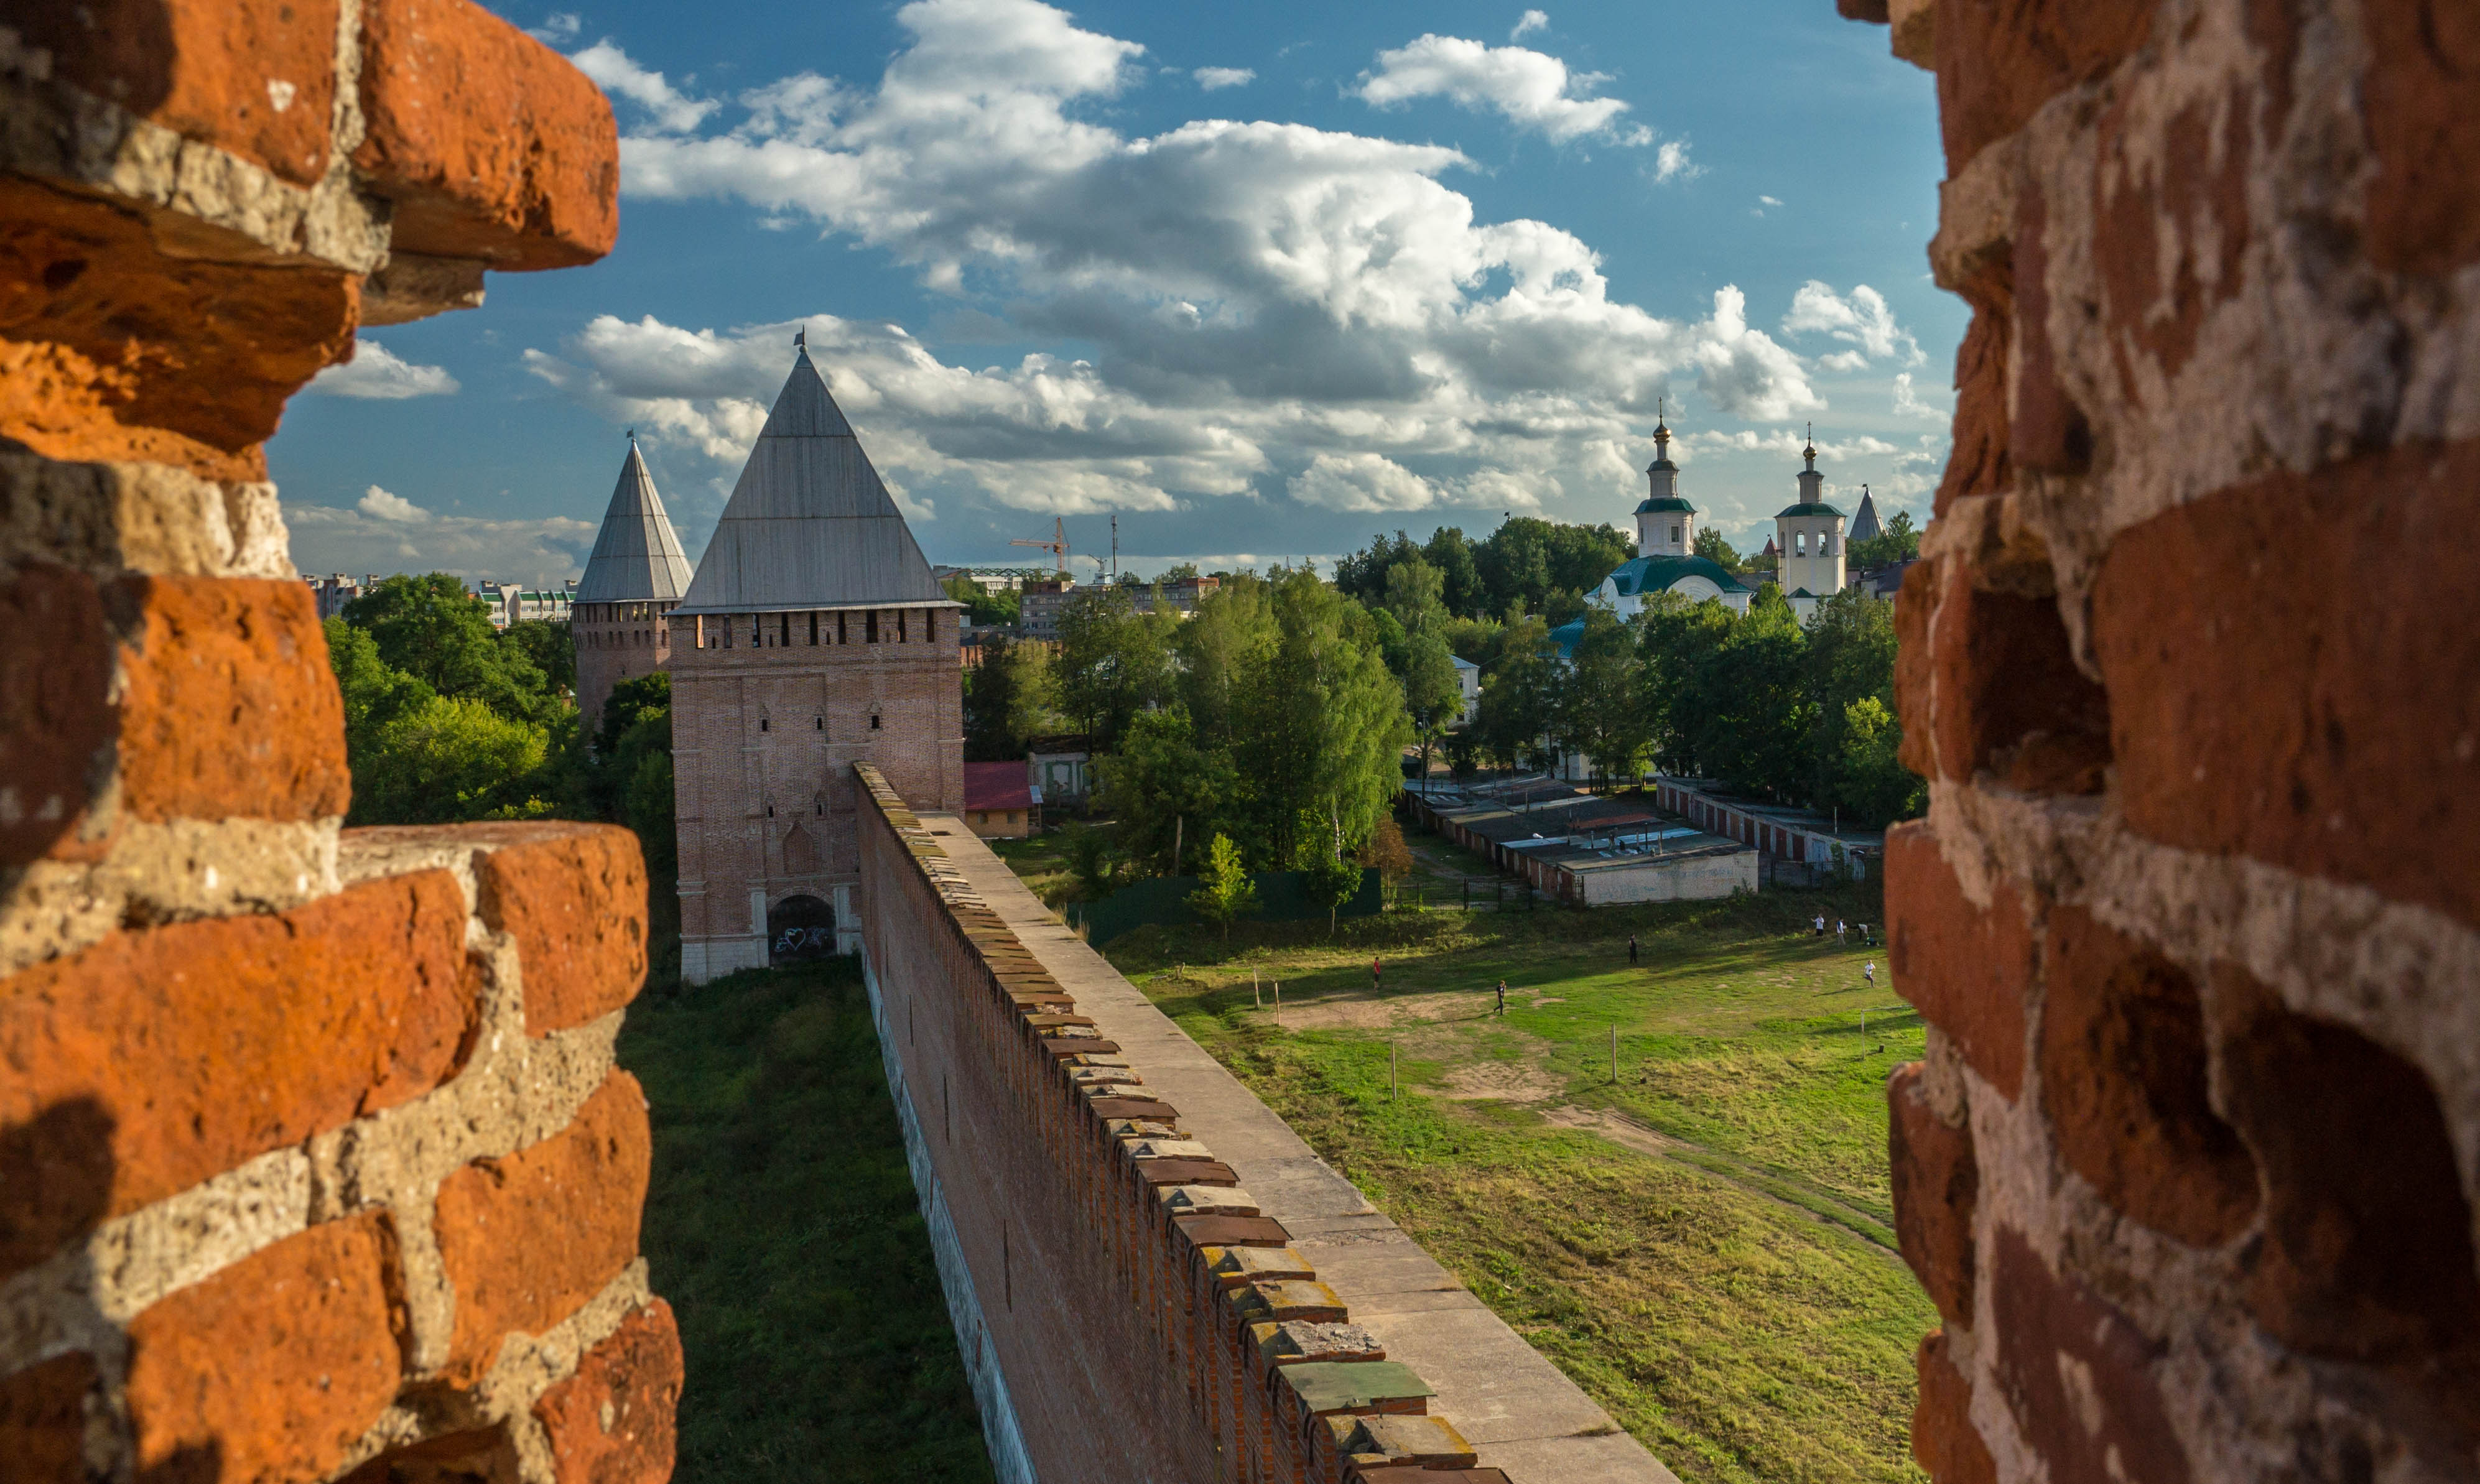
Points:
[(632, 435), (801, 338)]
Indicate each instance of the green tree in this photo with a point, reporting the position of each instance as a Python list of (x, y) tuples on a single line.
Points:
[(1090, 859), (1518, 695), (1225, 893), (983, 606), (1451, 555), (1166, 791), (451, 757), (1874, 788), (1330, 876), (1546, 566), (1711, 546), (374, 693), (1433, 696), (1600, 707), (548, 644), (1007, 698), (1215, 648), (1896, 542), (1318, 722), (1851, 656), (1758, 728), (1113, 662), (431, 628), (1680, 676)]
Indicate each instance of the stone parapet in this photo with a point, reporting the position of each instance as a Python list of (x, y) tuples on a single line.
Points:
[(2192, 1166), (1149, 1273)]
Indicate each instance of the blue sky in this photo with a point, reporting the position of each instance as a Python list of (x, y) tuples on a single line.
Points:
[(1260, 280)]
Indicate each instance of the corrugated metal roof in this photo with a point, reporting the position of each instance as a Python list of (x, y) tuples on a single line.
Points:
[(636, 556), (810, 524)]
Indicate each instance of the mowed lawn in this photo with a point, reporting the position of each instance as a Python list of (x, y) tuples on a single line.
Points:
[(1704, 1243)]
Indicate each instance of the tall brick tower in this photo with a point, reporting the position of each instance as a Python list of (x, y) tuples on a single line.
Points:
[(813, 637), (636, 574)]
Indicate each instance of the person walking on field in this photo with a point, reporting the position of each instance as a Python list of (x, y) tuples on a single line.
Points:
[(1838, 932), (1631, 949), (1868, 972), (1502, 998), (1376, 975)]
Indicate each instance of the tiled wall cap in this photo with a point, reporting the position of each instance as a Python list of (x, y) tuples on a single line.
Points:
[(1045, 1022), (1168, 1149), (1104, 1076), (1298, 1341), (1420, 1440), (1145, 1128), (1186, 1172), (1272, 1300), (1321, 1387), (1206, 1200), (1232, 1231), (1236, 1265)]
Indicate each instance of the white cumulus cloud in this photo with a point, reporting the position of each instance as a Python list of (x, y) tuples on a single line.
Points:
[(558, 28), (1862, 319), (1211, 78), (1671, 162), (385, 532), (667, 108), (1909, 404), (381, 505), (375, 373), (1255, 295), (1361, 481), (1531, 21), (1532, 90)]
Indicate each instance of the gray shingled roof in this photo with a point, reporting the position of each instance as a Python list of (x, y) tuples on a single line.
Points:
[(1864, 526), (809, 525), (636, 556)]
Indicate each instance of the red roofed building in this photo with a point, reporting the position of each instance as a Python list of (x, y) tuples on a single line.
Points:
[(998, 801)]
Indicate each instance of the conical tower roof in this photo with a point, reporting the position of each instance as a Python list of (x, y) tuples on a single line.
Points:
[(637, 557), (1864, 526), (810, 524)]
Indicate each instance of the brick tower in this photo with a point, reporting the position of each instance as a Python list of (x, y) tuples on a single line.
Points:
[(635, 576), (813, 637)]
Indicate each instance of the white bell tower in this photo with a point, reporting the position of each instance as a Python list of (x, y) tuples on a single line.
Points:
[(1809, 538), (1665, 524)]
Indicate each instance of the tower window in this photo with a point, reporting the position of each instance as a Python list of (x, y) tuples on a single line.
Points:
[(813, 629), (770, 811), (841, 637), (783, 630), (761, 724), (819, 723), (869, 625), (1674, 533), (873, 721)]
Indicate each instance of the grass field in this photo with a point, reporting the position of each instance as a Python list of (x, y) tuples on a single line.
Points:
[(1705, 1242), (782, 1226)]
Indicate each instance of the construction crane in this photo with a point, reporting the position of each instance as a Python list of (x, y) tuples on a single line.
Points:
[(1057, 545)]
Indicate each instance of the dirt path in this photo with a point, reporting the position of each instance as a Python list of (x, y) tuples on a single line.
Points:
[(1792, 1195)]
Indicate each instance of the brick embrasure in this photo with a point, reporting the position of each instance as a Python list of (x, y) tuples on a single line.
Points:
[(527, 1239), (574, 898), (1936, 1190), (613, 1421), (1967, 968), (274, 1367), (155, 1059), (229, 708), (490, 144)]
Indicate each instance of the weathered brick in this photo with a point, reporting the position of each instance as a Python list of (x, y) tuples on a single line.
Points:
[(1944, 1440), (489, 144), (1967, 968), (110, 349), (1980, 463), (228, 708), (43, 1420), (613, 1421), (488, 1456), (1915, 607), (56, 717), (575, 901), (530, 1237), (2282, 713), (1936, 1189), (2422, 214), (156, 1058), (2124, 1078), (1998, 60), (2047, 431), (273, 1368), (2079, 1376), (2367, 1239), (254, 77), (2009, 696), (2170, 232)]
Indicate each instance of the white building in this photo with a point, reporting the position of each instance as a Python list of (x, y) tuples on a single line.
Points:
[(1808, 536), (1468, 680)]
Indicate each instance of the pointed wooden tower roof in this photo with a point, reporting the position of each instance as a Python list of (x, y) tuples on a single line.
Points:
[(810, 524), (638, 558)]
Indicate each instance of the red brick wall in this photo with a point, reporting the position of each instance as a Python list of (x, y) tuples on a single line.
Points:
[(1125, 1352), (2192, 1166), (616, 641), (313, 1158)]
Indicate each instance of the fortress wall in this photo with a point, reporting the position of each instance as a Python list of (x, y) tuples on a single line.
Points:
[(1149, 1271), (313, 1159), (2192, 1166)]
